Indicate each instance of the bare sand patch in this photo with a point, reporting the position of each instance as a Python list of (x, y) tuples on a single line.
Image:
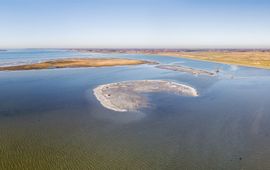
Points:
[(128, 95), (186, 70)]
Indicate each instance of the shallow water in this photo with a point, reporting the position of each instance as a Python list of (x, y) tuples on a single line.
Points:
[(50, 119)]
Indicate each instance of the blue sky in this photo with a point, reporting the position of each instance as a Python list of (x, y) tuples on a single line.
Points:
[(134, 24)]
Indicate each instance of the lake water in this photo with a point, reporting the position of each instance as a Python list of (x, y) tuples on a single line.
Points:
[(50, 119)]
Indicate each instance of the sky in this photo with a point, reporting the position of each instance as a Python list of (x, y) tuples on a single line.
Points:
[(134, 24)]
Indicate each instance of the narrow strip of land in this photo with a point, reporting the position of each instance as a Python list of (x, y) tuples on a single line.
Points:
[(186, 70), (75, 63)]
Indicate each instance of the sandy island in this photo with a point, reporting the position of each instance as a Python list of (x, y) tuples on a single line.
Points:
[(76, 62), (128, 95), (186, 70)]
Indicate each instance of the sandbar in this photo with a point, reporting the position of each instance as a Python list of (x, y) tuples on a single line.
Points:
[(75, 63), (185, 69), (128, 95)]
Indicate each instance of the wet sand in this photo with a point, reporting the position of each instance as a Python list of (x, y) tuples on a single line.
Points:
[(186, 70), (128, 95), (75, 63)]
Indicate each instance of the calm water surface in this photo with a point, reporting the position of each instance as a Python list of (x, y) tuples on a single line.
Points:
[(49, 119)]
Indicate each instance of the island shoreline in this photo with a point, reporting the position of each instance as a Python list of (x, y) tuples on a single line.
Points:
[(76, 63), (127, 95)]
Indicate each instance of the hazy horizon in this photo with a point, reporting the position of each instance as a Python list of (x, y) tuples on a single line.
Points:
[(134, 48), (172, 24)]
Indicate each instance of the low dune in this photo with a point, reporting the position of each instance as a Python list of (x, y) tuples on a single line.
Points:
[(75, 63), (128, 95)]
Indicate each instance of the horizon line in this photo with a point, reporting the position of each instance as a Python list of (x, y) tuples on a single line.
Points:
[(142, 48)]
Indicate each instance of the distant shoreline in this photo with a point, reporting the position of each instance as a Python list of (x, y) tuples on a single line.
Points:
[(258, 58)]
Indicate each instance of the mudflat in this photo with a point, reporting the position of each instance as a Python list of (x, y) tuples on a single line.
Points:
[(186, 70), (75, 62), (128, 95)]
